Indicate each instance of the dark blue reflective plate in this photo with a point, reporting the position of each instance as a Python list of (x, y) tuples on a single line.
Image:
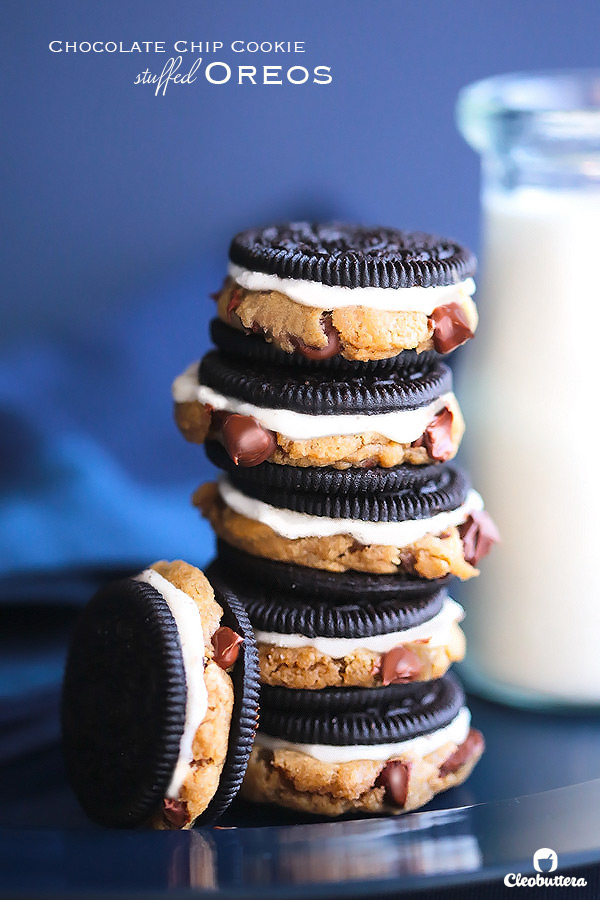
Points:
[(538, 785)]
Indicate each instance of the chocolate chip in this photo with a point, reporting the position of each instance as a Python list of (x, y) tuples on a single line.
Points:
[(437, 437), (217, 420), (407, 560), (332, 348), (399, 665), (474, 745), (246, 441), (451, 327), (478, 534), (394, 777), (356, 547), (175, 813), (226, 644), (368, 463)]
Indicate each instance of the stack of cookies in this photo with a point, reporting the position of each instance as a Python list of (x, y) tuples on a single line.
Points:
[(329, 410)]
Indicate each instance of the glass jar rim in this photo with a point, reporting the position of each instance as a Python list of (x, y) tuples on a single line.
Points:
[(548, 106)]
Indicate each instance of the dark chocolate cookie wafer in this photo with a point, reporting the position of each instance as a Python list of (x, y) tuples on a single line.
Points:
[(132, 700), (376, 495), (352, 256), (123, 705), (339, 394), (254, 348), (356, 716), (356, 615)]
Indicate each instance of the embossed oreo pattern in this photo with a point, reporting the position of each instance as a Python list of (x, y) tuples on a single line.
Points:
[(396, 494), (352, 256), (125, 656), (286, 612), (310, 393), (349, 716)]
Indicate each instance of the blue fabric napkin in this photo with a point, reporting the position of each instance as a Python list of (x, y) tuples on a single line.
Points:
[(92, 468), (83, 507)]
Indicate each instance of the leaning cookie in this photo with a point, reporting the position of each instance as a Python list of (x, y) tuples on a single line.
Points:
[(324, 290), (298, 418), (345, 629), (160, 700), (388, 750), (420, 520)]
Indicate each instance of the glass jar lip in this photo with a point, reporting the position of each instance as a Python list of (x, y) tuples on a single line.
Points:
[(550, 90), (554, 105)]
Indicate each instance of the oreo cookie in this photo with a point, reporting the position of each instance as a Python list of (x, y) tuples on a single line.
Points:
[(255, 349), (396, 494), (344, 717), (352, 256), (124, 705), (354, 616), (340, 394)]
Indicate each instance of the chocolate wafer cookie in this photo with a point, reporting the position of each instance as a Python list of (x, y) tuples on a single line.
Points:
[(345, 629), (423, 520), (305, 418), (160, 700), (370, 750), (333, 289)]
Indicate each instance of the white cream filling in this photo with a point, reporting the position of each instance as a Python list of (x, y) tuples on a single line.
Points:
[(189, 626), (291, 524), (456, 731), (403, 426), (324, 296), (435, 631)]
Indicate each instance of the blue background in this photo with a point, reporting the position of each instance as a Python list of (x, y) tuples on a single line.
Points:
[(119, 206)]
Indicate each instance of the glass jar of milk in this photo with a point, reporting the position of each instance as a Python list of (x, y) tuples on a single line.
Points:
[(531, 388)]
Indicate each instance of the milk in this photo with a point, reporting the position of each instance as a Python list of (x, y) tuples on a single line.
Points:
[(532, 405)]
